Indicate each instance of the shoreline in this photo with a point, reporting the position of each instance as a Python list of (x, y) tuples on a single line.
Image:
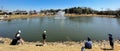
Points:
[(67, 15), (56, 46), (91, 15)]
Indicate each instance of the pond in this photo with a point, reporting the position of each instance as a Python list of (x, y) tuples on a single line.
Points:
[(69, 29)]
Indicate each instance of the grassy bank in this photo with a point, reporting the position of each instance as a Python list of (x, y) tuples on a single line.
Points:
[(90, 15), (56, 46), (69, 15)]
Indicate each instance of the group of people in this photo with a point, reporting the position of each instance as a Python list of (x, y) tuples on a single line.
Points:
[(87, 45), (18, 39)]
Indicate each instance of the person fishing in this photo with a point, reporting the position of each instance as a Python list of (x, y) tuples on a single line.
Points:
[(44, 36), (17, 35), (88, 44), (17, 40), (111, 42)]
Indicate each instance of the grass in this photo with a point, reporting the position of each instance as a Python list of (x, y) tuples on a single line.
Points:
[(57, 46)]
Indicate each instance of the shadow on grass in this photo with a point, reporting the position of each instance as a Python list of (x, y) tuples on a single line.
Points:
[(107, 49), (39, 44)]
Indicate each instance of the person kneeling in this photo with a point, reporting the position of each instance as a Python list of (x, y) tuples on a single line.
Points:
[(17, 40), (88, 44)]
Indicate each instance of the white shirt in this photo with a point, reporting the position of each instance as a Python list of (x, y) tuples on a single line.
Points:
[(18, 35)]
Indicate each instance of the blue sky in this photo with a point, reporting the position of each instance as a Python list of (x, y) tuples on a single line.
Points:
[(58, 4)]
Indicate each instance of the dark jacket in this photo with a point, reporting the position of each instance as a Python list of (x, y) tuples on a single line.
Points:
[(44, 36)]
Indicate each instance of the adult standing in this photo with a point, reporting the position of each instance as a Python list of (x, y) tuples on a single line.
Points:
[(111, 41), (44, 36)]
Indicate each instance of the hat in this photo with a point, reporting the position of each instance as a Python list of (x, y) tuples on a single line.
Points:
[(110, 34), (89, 39), (45, 31), (19, 31)]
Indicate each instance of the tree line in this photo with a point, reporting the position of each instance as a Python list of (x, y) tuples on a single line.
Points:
[(75, 10), (84, 10)]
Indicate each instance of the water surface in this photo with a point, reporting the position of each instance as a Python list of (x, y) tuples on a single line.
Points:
[(71, 28)]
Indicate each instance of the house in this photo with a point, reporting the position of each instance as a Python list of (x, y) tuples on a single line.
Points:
[(2, 12), (33, 12), (19, 12)]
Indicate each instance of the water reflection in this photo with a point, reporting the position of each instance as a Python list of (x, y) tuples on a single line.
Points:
[(71, 28), (60, 22), (24, 18), (9, 20), (81, 19), (118, 21)]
